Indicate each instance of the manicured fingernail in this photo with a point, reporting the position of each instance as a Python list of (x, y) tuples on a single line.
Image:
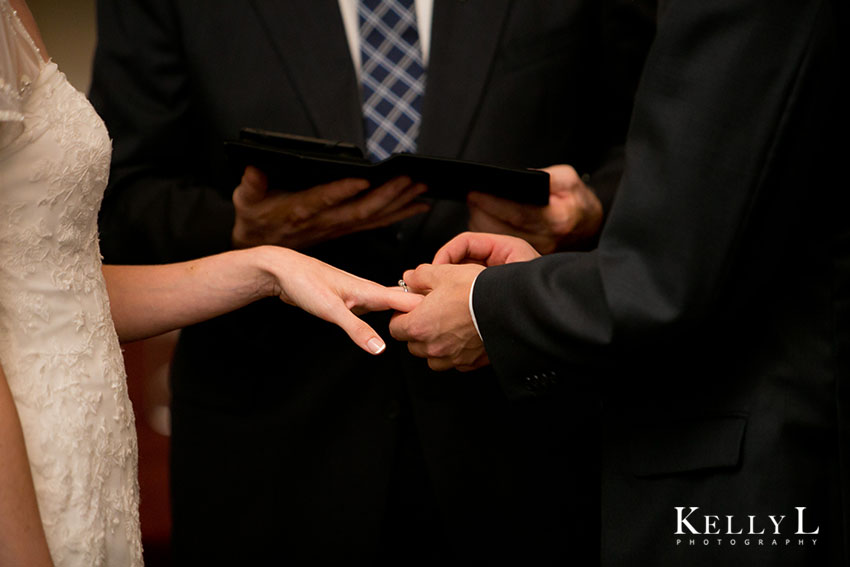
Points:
[(376, 345)]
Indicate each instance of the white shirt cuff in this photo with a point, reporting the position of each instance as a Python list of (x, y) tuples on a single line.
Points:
[(471, 311)]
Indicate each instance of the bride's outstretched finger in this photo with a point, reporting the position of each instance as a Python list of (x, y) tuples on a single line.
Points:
[(365, 296), (379, 298), (359, 331)]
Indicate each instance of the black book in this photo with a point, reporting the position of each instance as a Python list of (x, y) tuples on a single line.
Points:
[(294, 163)]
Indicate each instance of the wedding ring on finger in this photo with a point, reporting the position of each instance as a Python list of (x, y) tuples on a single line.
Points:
[(403, 286)]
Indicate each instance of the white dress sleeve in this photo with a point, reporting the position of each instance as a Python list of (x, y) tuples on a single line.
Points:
[(20, 64)]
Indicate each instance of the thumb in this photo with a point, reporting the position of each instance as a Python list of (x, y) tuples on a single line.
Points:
[(454, 251), (467, 247), (361, 333), (562, 178), (253, 187), (422, 279)]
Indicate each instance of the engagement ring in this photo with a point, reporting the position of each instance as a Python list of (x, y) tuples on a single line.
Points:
[(403, 286)]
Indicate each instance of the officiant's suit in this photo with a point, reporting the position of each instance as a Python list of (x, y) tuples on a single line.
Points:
[(714, 312), (286, 438)]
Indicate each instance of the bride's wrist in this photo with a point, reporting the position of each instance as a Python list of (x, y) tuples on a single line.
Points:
[(269, 260)]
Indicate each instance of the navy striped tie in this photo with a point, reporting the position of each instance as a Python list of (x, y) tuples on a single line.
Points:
[(392, 74)]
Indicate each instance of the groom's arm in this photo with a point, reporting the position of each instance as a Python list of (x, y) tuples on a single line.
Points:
[(710, 180)]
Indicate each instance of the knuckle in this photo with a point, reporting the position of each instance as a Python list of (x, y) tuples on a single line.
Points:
[(300, 212), (330, 198), (326, 200), (415, 350), (360, 214), (396, 331), (436, 351), (415, 332), (239, 198)]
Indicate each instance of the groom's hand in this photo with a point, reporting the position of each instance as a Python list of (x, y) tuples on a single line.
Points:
[(485, 249), (440, 328)]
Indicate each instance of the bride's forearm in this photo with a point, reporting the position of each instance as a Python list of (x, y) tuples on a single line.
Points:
[(151, 300), (22, 540)]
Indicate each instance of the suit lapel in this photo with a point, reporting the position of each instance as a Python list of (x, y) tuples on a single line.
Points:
[(464, 37), (310, 41)]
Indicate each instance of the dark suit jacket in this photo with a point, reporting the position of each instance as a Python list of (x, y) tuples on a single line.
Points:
[(286, 437), (714, 312)]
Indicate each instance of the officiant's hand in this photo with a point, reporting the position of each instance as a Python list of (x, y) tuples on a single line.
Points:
[(573, 215), (304, 218)]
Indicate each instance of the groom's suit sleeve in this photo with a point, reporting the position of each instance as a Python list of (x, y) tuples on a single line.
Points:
[(723, 136)]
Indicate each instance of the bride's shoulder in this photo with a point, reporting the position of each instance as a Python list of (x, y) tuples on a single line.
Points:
[(20, 11), (22, 55), (20, 30)]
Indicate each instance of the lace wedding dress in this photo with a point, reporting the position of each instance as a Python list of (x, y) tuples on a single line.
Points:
[(58, 346)]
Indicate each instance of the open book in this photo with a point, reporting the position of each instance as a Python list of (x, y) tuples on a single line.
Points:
[(293, 163)]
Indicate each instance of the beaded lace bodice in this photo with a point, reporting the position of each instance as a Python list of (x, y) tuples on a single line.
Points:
[(58, 346)]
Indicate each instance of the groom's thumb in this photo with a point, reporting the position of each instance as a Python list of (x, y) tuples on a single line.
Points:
[(421, 280)]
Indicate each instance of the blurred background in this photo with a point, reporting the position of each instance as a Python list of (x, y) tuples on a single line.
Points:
[(69, 31)]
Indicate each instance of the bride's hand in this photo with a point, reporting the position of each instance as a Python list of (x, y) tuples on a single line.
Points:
[(335, 295)]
